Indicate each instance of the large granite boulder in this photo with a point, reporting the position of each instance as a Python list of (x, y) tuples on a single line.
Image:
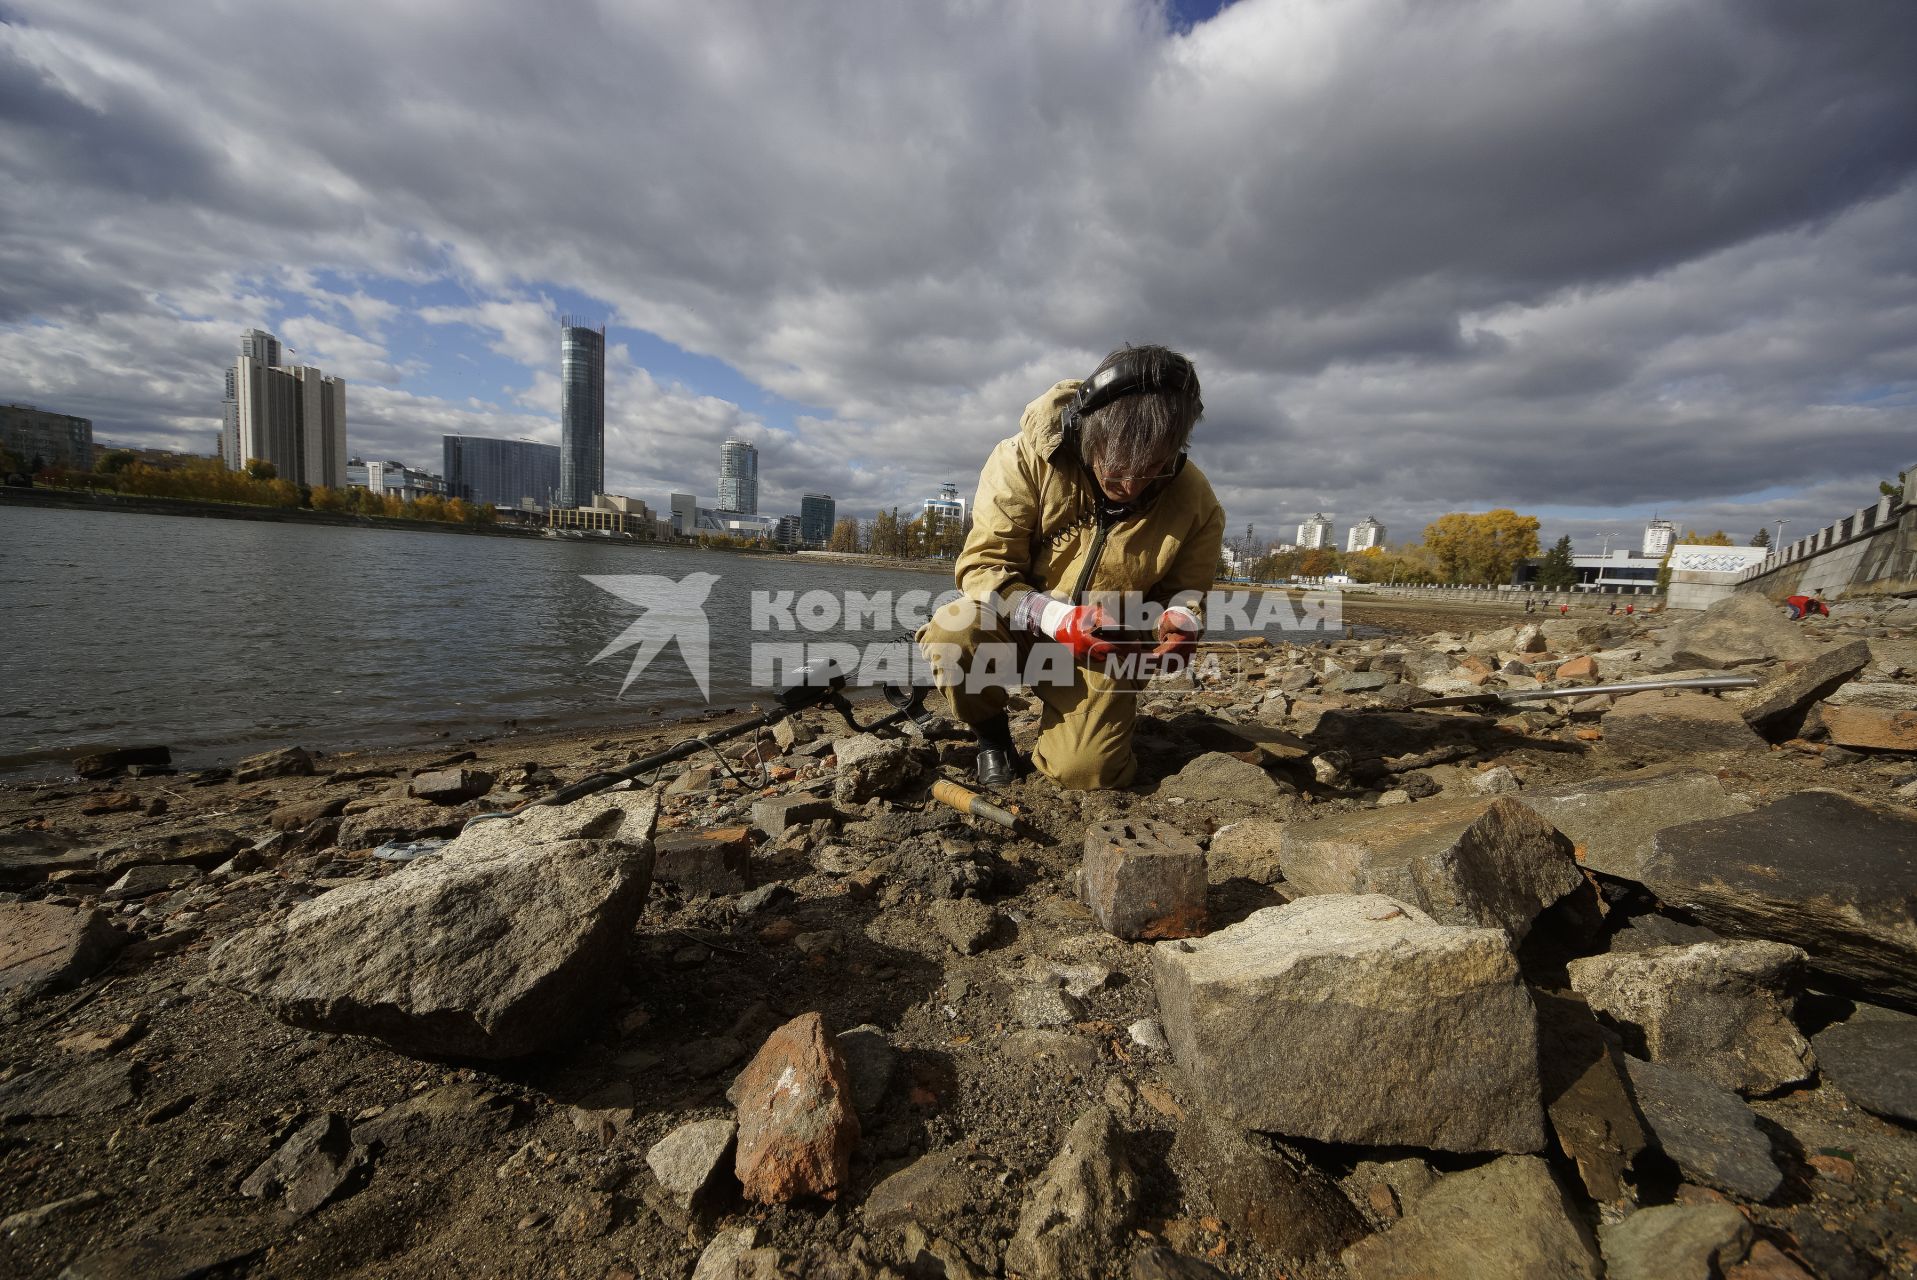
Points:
[(1710, 1133), (1610, 821), (1356, 1019), (1719, 1009), (1739, 631), (1826, 872), (494, 948), (1490, 863), (1777, 709)]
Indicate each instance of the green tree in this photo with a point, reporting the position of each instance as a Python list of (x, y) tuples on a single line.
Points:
[(1556, 571), (114, 461), (1889, 490), (260, 469), (1762, 538)]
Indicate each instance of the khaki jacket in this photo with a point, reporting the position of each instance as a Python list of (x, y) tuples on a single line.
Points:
[(1035, 525)]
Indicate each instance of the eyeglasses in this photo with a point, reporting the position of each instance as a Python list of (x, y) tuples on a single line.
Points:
[(1166, 472)]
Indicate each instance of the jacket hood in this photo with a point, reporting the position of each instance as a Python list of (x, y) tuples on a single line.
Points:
[(1042, 422)]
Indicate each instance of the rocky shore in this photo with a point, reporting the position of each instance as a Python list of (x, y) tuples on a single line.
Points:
[(1346, 985)]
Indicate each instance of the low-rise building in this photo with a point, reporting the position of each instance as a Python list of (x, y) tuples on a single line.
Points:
[(608, 513)]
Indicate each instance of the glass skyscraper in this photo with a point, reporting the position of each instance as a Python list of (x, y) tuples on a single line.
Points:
[(739, 477), (515, 474), (817, 513), (582, 413)]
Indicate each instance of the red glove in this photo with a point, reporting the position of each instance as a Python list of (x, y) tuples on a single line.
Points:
[(1178, 632), (1074, 626)]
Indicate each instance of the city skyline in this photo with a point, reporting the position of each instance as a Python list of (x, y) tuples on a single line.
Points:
[(1707, 313)]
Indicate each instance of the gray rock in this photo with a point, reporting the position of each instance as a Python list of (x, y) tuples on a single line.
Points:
[(1676, 1242), (1490, 863), (1507, 1220), (1884, 695), (870, 765), (1611, 821), (1666, 724), (966, 923), (40, 1215), (1247, 849), (936, 1189), (309, 1168), (1721, 1010), (1360, 681), (493, 949), (1826, 872), (1497, 782), (1356, 1019), (452, 1117), (1219, 778), (451, 786), (144, 882), (1079, 1207), (870, 1062), (1041, 1004), (1159, 1263), (1873, 1061), (288, 762), (194, 1250), (738, 1254), (1143, 879), (28, 857), (692, 1160), (776, 815), (1274, 1197), (1778, 707), (1738, 631), (91, 1089), (46, 949), (205, 849), (1710, 1133)]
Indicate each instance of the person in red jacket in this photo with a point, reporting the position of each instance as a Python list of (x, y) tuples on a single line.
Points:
[(1803, 606)]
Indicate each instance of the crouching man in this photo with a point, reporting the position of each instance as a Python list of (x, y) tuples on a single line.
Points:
[(1091, 523)]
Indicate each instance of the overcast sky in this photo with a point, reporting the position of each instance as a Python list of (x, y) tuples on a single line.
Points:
[(1592, 259)]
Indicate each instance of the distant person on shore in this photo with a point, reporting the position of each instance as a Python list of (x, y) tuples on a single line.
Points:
[(1563, 609), (1799, 607), (1629, 609), (1093, 499), (1530, 606), (1613, 608)]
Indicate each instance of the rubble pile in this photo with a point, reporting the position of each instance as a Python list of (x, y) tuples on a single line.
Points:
[(1347, 985)]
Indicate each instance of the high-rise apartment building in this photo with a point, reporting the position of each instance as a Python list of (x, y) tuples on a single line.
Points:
[(40, 438), (293, 417), (817, 514), (948, 505), (1365, 535), (582, 413), (1659, 536), (739, 477), (1316, 533), (510, 474)]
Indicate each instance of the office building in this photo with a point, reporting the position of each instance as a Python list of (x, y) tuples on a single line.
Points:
[(293, 417), (1316, 533), (513, 475), (1659, 537), (1365, 535), (788, 532), (395, 478), (40, 438), (739, 477), (685, 514), (817, 514), (948, 506), (582, 413)]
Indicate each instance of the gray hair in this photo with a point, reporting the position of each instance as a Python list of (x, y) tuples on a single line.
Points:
[(1137, 433)]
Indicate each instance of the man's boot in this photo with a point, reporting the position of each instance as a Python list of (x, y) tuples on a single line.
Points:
[(997, 764)]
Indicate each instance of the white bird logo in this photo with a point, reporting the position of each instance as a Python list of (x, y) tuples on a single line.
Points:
[(673, 611)]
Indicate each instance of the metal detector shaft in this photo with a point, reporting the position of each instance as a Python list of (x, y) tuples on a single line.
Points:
[(1585, 691)]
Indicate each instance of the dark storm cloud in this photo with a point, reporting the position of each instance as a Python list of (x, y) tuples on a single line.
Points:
[(1428, 257)]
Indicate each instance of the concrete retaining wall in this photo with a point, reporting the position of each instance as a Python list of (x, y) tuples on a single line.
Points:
[(1871, 552)]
